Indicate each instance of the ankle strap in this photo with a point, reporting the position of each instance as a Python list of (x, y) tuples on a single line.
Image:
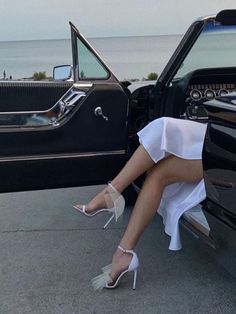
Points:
[(112, 187), (124, 250)]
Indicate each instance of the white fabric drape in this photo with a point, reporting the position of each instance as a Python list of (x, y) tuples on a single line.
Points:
[(183, 138)]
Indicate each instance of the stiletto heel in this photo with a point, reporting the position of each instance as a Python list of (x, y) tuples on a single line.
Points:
[(105, 281), (135, 279), (108, 221), (111, 196)]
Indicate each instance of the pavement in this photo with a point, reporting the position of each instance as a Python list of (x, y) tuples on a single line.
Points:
[(49, 253)]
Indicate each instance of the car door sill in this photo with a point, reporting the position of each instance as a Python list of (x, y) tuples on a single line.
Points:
[(62, 156), (197, 233)]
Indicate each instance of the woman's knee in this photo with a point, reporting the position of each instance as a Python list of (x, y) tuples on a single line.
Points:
[(174, 169), (158, 176)]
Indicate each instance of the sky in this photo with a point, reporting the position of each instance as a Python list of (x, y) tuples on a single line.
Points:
[(48, 19)]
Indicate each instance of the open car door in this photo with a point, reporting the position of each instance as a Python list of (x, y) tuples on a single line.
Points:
[(79, 139), (219, 161)]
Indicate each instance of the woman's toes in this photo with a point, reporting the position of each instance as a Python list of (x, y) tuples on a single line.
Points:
[(100, 201)]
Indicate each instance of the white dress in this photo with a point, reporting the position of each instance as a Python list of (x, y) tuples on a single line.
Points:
[(183, 138)]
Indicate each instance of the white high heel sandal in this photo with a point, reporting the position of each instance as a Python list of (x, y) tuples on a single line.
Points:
[(113, 196), (105, 281)]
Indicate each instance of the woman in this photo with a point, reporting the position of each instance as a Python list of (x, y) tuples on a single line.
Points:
[(170, 152)]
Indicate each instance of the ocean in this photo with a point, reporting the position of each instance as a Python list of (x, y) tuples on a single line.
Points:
[(127, 57)]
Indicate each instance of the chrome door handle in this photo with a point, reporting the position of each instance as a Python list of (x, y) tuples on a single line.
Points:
[(98, 112)]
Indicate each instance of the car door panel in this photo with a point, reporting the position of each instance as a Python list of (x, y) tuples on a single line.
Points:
[(34, 174), (82, 145), (80, 140), (82, 132), (219, 162), (29, 95), (224, 239)]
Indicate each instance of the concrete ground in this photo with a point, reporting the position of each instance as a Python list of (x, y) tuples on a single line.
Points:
[(49, 253)]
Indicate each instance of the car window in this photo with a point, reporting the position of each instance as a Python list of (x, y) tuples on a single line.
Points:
[(215, 47), (89, 66)]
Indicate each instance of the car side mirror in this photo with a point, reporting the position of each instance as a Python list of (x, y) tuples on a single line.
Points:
[(62, 72)]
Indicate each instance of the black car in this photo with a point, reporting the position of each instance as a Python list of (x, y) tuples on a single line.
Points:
[(52, 133)]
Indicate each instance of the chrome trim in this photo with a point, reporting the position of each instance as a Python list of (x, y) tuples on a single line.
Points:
[(2, 113), (62, 156), (206, 17), (82, 85), (98, 113), (52, 117)]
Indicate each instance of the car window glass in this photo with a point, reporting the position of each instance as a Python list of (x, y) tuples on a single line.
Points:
[(89, 66), (215, 47)]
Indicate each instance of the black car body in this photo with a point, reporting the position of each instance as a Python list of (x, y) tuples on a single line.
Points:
[(81, 132)]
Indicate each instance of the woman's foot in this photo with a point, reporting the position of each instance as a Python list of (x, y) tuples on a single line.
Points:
[(123, 261), (108, 200), (100, 201), (120, 262)]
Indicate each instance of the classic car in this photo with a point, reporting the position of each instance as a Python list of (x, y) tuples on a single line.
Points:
[(81, 131)]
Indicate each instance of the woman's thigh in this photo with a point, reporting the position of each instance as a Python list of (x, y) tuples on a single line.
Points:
[(175, 169)]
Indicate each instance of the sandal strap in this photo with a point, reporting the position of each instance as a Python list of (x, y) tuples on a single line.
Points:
[(112, 187), (124, 250)]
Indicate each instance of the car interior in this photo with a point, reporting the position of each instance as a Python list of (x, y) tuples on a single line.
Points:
[(207, 73)]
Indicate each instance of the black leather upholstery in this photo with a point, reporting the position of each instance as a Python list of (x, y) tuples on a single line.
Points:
[(27, 96)]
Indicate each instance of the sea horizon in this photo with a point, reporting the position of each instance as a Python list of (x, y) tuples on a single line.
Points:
[(87, 37), (129, 57)]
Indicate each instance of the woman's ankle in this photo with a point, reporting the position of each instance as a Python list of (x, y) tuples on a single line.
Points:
[(117, 185), (121, 251), (120, 262)]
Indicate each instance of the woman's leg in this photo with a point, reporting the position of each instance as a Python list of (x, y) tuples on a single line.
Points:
[(165, 172), (139, 163)]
